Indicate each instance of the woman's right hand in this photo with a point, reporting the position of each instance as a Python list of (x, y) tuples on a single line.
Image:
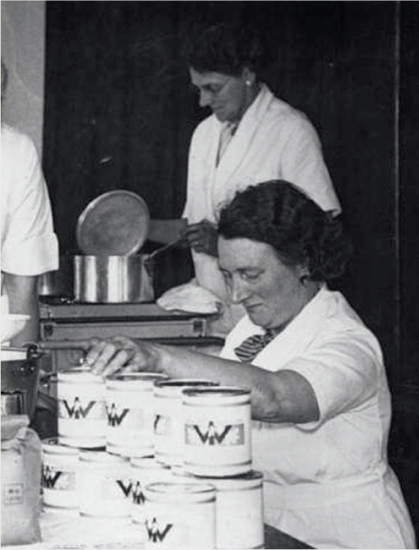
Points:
[(202, 237), (107, 357)]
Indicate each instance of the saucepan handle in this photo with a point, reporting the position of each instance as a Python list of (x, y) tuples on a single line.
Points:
[(50, 345)]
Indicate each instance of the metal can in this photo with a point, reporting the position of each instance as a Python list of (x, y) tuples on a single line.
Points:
[(238, 507), (169, 425), (12, 402), (130, 413), (217, 431), (180, 515), (81, 408), (104, 485), (59, 467), (144, 471), (239, 510)]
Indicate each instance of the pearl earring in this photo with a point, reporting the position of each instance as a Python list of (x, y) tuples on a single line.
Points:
[(248, 83)]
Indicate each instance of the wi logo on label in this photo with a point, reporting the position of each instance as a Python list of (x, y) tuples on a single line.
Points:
[(156, 533)]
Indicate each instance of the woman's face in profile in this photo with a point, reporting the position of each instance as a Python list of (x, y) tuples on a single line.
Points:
[(271, 292), (227, 96)]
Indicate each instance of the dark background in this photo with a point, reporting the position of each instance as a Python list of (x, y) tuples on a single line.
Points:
[(119, 113)]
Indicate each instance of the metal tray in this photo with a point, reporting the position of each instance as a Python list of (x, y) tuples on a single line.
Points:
[(114, 224)]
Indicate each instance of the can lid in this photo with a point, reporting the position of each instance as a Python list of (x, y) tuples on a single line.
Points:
[(115, 223)]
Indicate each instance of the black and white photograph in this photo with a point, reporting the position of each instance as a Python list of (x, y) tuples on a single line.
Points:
[(209, 273)]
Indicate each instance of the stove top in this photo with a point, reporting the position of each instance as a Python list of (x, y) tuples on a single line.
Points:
[(103, 312)]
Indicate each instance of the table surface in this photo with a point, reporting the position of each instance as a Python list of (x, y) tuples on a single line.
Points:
[(277, 539), (69, 532)]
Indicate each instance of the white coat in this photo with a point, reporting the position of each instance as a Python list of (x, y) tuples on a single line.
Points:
[(328, 482), (272, 141)]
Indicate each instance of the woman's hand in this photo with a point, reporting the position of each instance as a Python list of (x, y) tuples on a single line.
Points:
[(202, 237), (107, 357)]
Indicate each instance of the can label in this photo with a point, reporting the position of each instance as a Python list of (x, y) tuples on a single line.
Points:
[(217, 439), (213, 433), (116, 415), (137, 493), (162, 425), (58, 479), (13, 493), (76, 409), (190, 526)]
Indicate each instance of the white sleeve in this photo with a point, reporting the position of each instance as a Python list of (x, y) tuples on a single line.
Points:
[(344, 372), (303, 164), (30, 246)]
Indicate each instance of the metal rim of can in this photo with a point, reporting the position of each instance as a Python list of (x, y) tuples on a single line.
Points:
[(221, 396), (148, 463), (228, 391), (101, 458), (174, 387), (242, 482), (130, 380), (179, 492), (54, 446)]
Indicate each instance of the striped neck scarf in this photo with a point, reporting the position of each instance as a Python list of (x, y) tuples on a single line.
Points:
[(250, 347)]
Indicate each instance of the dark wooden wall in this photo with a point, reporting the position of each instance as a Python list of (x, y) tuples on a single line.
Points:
[(119, 113)]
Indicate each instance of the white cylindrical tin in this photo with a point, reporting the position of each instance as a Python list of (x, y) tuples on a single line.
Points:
[(59, 467), (180, 515), (144, 471), (239, 510), (81, 408), (130, 413), (104, 485), (238, 507), (169, 424), (217, 431)]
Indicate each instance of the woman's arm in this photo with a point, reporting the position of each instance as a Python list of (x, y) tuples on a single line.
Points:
[(22, 291), (283, 396)]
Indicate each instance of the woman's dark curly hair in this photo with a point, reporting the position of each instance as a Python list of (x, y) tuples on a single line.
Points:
[(279, 214), (226, 47)]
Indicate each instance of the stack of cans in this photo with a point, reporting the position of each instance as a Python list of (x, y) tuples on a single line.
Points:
[(170, 456)]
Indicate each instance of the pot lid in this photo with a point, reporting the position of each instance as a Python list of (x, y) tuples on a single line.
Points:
[(114, 224)]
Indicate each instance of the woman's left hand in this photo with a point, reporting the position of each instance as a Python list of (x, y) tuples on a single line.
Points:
[(106, 357)]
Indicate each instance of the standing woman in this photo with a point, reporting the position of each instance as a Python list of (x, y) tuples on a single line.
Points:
[(251, 136), (29, 245)]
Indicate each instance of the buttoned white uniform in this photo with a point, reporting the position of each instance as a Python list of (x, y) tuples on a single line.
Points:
[(272, 141), (328, 483), (29, 245)]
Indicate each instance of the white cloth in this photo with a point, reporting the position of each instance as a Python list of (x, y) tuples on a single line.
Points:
[(328, 483), (272, 141), (29, 245)]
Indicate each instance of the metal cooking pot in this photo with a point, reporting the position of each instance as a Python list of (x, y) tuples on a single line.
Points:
[(59, 282), (113, 279), (20, 378)]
